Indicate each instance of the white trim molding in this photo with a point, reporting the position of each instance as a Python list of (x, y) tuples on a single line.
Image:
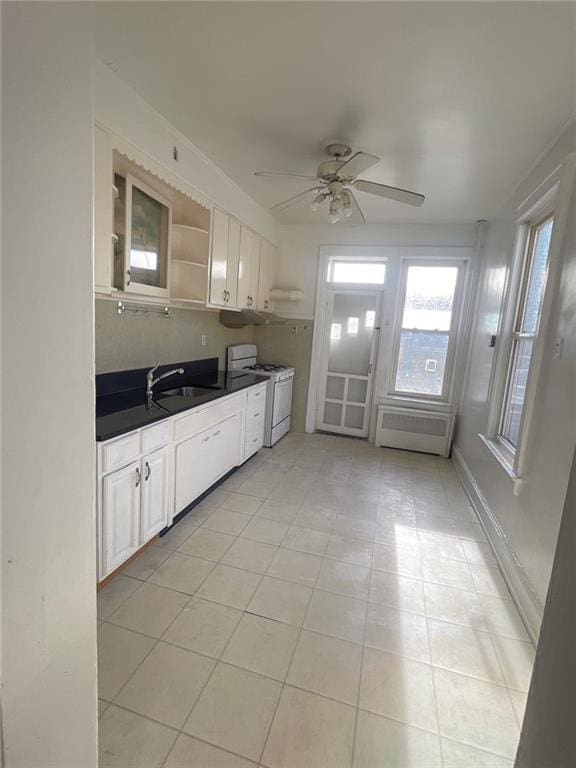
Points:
[(522, 591)]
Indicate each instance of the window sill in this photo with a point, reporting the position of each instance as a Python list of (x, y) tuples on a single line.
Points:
[(503, 460)]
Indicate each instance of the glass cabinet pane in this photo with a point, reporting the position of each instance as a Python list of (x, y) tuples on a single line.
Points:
[(147, 257)]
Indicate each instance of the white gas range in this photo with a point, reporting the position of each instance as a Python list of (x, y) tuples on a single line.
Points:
[(278, 393)]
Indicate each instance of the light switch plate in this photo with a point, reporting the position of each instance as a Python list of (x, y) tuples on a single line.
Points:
[(203, 339), (558, 343)]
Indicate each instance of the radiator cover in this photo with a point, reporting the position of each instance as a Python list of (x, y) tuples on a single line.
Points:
[(415, 429)]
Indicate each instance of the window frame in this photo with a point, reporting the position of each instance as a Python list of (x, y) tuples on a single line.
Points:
[(553, 195), (453, 333), (517, 335)]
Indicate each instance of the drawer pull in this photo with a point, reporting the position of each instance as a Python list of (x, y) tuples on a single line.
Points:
[(205, 439), (255, 440), (216, 433), (256, 415), (148, 471), (138, 477), (257, 394)]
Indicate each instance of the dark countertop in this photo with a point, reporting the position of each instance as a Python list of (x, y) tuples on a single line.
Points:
[(118, 413)]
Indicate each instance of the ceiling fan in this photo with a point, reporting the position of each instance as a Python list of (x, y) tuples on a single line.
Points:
[(337, 179)]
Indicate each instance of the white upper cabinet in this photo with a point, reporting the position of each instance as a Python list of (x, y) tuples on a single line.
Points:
[(267, 274), (248, 269), (225, 256)]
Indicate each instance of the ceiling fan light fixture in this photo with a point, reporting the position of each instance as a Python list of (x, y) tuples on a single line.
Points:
[(335, 212), (318, 201)]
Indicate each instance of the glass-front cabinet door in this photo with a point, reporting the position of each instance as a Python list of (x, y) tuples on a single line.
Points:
[(143, 221)]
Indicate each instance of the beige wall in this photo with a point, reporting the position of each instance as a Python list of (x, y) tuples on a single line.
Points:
[(279, 343), (49, 703), (135, 341)]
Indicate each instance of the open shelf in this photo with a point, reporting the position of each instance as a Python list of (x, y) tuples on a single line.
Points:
[(190, 263)]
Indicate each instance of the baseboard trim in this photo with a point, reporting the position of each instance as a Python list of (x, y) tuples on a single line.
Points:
[(523, 594)]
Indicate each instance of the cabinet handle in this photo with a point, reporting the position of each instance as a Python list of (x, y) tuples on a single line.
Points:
[(205, 439), (216, 433), (224, 292), (138, 476), (266, 303), (148, 471), (256, 415), (128, 275), (257, 394), (255, 440)]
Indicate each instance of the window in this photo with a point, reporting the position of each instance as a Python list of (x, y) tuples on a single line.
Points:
[(525, 330), (425, 336), (357, 272)]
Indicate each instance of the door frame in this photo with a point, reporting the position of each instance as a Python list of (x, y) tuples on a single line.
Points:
[(361, 253)]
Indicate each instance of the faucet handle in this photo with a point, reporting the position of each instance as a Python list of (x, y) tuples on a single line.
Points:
[(153, 369)]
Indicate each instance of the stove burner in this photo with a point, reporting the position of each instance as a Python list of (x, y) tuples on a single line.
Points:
[(268, 367)]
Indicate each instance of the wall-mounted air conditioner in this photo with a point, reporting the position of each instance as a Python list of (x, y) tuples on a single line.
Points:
[(415, 429)]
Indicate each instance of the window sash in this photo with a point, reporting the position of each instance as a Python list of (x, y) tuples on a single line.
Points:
[(451, 333), (518, 335)]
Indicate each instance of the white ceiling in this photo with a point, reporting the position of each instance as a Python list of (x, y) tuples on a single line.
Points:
[(458, 99)]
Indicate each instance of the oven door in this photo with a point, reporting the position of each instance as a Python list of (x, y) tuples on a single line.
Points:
[(282, 401)]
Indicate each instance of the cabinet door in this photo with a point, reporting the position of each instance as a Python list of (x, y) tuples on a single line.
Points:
[(154, 507), (224, 445), (103, 211), (194, 471), (120, 516), (254, 270), (219, 258), (267, 274), (232, 265), (147, 242), (245, 268)]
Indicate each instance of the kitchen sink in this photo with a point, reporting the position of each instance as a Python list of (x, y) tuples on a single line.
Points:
[(187, 392)]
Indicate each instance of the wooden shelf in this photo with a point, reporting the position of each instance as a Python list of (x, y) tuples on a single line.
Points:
[(190, 228), (189, 263)]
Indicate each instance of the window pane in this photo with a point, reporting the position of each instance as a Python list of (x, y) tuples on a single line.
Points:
[(421, 362), (429, 298), (516, 393), (351, 346), (537, 277), (358, 272)]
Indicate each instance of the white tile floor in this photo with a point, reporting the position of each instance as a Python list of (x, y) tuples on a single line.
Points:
[(331, 604)]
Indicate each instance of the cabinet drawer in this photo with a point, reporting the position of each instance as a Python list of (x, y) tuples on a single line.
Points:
[(155, 437), (205, 417), (257, 397), (116, 453)]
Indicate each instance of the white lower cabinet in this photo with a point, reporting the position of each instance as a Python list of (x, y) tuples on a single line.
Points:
[(120, 535), (203, 459), (167, 467), (154, 504)]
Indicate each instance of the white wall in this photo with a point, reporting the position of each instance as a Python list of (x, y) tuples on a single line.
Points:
[(525, 527), (300, 248), (121, 109), (48, 517)]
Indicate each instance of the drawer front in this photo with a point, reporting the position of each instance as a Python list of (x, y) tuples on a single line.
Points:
[(205, 417), (257, 397), (155, 437), (254, 429), (116, 453)]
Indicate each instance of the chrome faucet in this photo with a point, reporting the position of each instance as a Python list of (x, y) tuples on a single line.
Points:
[(151, 381)]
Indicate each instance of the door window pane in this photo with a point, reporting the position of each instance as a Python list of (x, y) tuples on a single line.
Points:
[(335, 387), (333, 414), (350, 349), (421, 362), (429, 298), (357, 390), (354, 418)]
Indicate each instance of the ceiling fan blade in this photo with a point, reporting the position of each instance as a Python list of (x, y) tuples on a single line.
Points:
[(392, 193), (357, 216), (295, 199), (358, 163), (281, 173)]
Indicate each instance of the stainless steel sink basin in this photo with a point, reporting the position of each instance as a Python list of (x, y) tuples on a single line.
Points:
[(186, 392)]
